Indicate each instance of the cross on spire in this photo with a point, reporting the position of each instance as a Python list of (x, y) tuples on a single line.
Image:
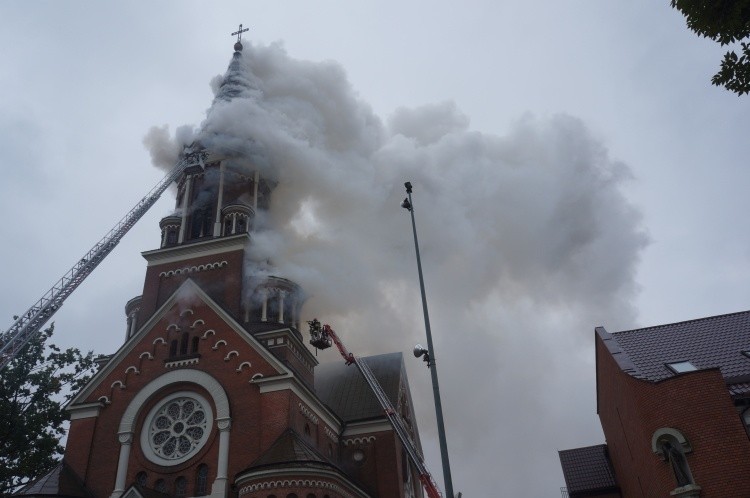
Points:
[(239, 33)]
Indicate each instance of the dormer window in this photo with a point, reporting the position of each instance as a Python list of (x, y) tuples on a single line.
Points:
[(681, 367)]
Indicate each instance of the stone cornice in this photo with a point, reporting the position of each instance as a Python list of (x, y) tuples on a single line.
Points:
[(210, 247), (368, 427), (87, 410), (291, 476)]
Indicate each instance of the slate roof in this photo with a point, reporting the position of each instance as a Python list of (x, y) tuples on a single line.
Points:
[(713, 342), (60, 481), (146, 492), (290, 447), (344, 390), (587, 469)]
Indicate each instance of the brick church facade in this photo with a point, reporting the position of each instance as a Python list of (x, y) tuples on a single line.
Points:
[(674, 404), (215, 391)]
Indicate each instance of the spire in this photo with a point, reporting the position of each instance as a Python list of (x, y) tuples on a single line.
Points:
[(238, 80)]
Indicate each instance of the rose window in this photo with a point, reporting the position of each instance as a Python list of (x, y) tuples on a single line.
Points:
[(176, 429)]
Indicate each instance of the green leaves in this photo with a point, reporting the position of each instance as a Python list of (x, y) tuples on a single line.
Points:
[(34, 388), (734, 74), (724, 21)]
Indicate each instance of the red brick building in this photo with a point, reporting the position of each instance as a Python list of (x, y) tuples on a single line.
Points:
[(674, 404), (214, 391)]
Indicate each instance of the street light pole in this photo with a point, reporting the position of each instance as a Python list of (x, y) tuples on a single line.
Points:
[(408, 205)]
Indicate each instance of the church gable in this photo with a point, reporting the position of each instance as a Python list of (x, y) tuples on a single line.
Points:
[(189, 331), (168, 397)]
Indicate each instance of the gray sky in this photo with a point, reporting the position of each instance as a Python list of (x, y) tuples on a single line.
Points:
[(513, 313)]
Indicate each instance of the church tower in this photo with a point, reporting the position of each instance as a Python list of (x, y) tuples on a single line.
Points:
[(214, 391)]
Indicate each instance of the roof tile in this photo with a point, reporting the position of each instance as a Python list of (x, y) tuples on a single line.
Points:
[(587, 469), (713, 342)]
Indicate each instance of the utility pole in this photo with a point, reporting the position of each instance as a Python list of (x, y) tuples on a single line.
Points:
[(409, 206)]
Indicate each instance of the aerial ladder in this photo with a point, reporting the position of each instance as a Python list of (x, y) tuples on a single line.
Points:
[(321, 337), (28, 324)]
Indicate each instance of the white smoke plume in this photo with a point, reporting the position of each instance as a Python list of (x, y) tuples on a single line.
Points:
[(527, 244)]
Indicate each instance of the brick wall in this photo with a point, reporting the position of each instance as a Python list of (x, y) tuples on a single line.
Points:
[(697, 404)]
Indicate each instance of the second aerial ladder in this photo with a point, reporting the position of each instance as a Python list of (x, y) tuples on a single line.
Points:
[(321, 337)]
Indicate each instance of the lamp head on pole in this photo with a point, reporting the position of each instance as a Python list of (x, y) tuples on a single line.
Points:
[(420, 350), (408, 187), (406, 204)]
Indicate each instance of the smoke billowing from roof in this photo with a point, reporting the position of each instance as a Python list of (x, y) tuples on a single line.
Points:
[(527, 244)]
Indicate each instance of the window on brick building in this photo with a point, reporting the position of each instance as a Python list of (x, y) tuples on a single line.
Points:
[(160, 486), (201, 480), (184, 343), (171, 236), (671, 445), (141, 478), (180, 487)]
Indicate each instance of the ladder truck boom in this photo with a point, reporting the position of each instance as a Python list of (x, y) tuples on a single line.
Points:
[(28, 324), (321, 337)]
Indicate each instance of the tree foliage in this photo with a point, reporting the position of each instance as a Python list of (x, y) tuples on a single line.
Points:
[(34, 389), (726, 22)]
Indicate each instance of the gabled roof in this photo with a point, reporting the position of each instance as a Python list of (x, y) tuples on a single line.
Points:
[(189, 287), (587, 469), (60, 481), (712, 342), (343, 389)]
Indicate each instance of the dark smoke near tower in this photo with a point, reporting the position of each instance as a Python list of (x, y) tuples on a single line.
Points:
[(527, 244)]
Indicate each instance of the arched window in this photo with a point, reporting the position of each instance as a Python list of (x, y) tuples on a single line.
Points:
[(201, 480), (180, 487), (171, 236), (201, 222), (184, 343), (160, 486), (141, 478), (307, 429), (672, 446), (173, 348), (194, 347)]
